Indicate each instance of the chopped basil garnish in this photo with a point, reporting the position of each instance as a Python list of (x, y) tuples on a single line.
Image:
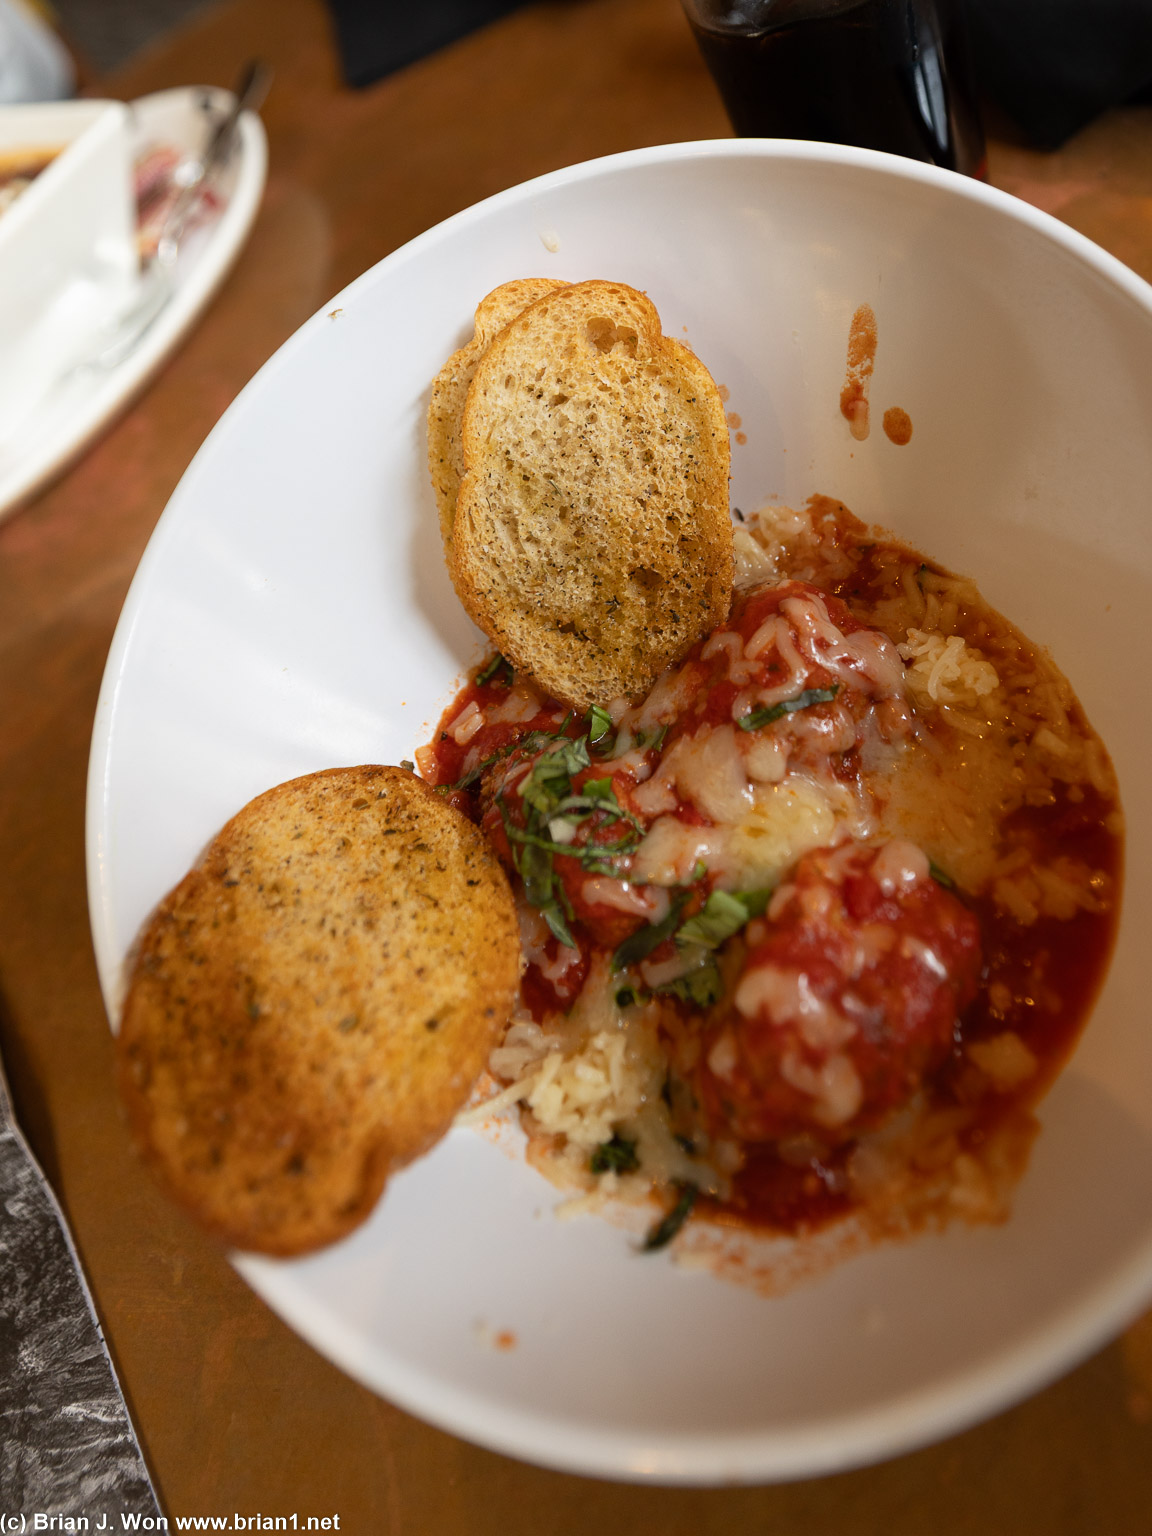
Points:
[(650, 742), (615, 1156), (554, 815), (770, 712), (941, 876), (701, 986), (492, 668), (600, 731), (589, 854), (531, 743), (625, 997), (554, 917), (641, 943), (536, 873), (723, 914), (600, 789), (665, 1230), (550, 777)]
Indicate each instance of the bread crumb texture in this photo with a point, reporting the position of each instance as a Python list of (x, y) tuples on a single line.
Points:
[(312, 1004), (450, 390), (592, 539)]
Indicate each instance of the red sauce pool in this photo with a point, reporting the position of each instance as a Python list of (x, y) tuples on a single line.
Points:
[(1039, 980)]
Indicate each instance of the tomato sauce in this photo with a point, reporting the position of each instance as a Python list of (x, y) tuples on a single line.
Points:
[(1035, 980)]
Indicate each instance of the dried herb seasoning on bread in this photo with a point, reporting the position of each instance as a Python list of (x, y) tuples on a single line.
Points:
[(311, 1005), (591, 539), (450, 391)]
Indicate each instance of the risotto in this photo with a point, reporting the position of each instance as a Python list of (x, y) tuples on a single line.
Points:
[(809, 929)]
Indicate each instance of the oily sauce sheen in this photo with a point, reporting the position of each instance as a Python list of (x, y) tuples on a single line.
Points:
[(1052, 969), (1052, 972), (1043, 944)]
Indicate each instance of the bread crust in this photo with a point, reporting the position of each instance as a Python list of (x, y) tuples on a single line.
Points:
[(308, 1009), (592, 539), (450, 390)]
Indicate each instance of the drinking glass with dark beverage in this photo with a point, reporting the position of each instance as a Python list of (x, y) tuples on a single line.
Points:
[(883, 74)]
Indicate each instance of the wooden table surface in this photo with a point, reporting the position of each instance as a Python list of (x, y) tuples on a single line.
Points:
[(235, 1413)]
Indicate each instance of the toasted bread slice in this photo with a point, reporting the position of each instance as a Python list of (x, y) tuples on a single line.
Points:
[(450, 390), (312, 1004), (592, 538)]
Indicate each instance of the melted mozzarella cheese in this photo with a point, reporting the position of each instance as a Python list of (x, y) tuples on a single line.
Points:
[(624, 896), (671, 696), (709, 771), (726, 642), (864, 658), (466, 724), (784, 821), (786, 995), (834, 1086), (534, 936), (765, 756), (761, 828), (706, 769), (777, 632), (899, 865), (671, 850), (520, 704)]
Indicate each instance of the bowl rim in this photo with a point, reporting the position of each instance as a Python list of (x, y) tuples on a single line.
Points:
[(897, 166)]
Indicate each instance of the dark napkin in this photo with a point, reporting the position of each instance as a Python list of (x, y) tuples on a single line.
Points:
[(377, 37), (1051, 65), (1054, 65)]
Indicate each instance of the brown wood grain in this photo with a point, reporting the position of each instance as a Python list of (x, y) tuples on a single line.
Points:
[(235, 1413)]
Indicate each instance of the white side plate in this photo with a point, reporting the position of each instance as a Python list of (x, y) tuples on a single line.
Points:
[(84, 402)]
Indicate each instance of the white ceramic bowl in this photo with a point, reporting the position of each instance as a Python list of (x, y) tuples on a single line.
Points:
[(292, 612)]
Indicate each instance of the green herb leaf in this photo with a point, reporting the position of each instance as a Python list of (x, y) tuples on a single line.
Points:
[(554, 816), (625, 997), (757, 901), (770, 712), (563, 829), (598, 866), (941, 876), (550, 777), (600, 730), (589, 854), (554, 917), (615, 1156), (723, 914), (536, 871), (641, 943), (531, 743), (653, 741), (701, 986), (664, 1231), (492, 668), (600, 789)]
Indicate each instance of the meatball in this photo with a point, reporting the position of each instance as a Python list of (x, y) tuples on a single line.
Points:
[(848, 998)]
